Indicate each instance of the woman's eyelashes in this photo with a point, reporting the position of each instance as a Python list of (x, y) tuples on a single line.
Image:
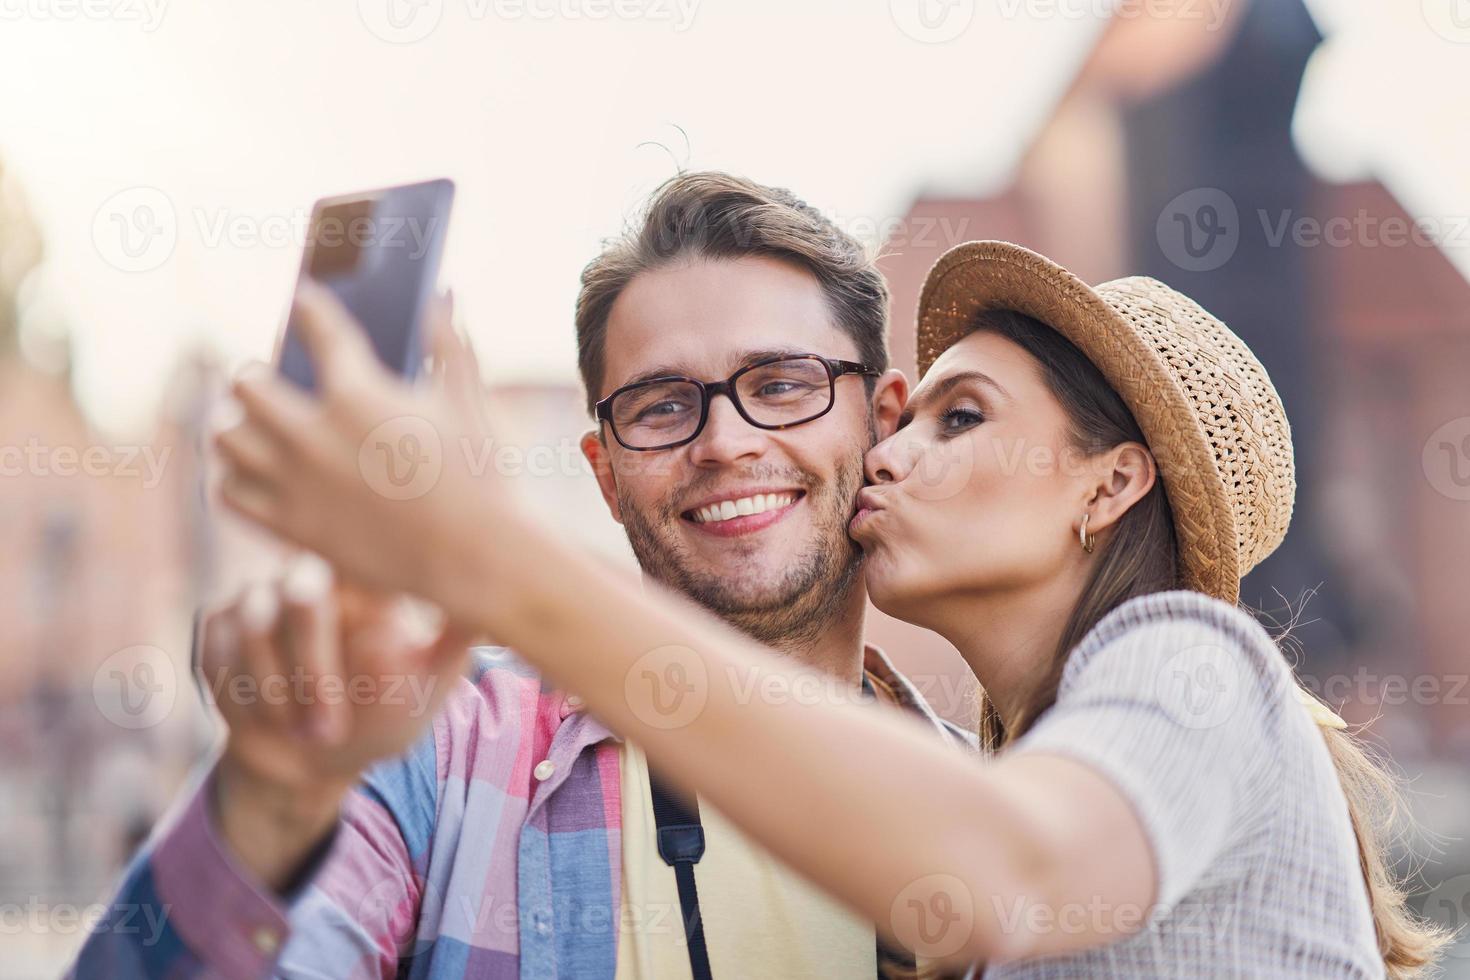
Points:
[(959, 418)]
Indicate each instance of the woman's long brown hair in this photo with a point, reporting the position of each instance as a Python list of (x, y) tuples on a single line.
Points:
[(1139, 558)]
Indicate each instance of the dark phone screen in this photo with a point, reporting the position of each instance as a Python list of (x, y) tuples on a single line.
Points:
[(379, 253)]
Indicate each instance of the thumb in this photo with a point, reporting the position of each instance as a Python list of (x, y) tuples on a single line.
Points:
[(454, 358), (333, 338)]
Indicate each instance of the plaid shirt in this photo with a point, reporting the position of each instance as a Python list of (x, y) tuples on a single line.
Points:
[(493, 849)]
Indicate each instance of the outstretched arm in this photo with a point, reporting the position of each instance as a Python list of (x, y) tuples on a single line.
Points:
[(950, 855)]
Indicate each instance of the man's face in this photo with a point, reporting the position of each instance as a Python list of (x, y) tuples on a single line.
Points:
[(787, 567)]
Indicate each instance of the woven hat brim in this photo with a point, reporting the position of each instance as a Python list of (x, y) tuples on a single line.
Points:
[(989, 275)]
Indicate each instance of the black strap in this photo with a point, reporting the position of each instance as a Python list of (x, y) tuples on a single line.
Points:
[(892, 960), (681, 845)]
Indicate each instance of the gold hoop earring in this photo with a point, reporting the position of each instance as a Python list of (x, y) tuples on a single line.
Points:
[(1089, 541)]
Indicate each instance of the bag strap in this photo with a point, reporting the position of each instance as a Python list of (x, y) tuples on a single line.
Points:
[(681, 845), (894, 958)]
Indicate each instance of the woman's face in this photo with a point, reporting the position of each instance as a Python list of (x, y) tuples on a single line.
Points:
[(980, 492)]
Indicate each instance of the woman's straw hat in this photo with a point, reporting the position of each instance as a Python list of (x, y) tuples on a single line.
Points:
[(1209, 413)]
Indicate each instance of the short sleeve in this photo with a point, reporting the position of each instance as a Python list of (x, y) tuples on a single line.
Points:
[(1176, 711)]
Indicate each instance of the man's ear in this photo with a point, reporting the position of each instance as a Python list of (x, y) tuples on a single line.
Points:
[(597, 454), (890, 394)]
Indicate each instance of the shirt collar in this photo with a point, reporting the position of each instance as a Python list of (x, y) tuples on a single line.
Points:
[(878, 667)]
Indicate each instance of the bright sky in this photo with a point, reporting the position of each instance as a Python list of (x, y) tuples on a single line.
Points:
[(213, 126)]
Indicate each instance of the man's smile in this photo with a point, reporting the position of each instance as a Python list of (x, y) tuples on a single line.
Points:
[(740, 512)]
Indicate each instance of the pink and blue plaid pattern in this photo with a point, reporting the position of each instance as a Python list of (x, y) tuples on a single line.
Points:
[(454, 861)]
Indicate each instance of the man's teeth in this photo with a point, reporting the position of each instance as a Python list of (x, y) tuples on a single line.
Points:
[(741, 506)]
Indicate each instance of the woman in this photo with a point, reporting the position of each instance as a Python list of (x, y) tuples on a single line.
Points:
[(1079, 484)]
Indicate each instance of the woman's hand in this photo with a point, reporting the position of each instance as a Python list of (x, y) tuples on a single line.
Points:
[(316, 683), (371, 474)]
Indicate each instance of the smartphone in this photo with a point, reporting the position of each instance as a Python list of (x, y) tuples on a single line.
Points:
[(379, 252)]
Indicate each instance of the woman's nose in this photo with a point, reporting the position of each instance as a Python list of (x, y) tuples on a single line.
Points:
[(880, 465)]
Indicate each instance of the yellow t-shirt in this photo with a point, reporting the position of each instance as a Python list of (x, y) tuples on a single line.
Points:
[(761, 919)]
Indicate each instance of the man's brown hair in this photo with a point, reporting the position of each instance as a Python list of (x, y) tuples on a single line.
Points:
[(714, 215)]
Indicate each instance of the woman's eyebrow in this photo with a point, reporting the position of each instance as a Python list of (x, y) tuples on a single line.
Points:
[(949, 383)]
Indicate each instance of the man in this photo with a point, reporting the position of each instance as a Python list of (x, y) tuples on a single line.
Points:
[(518, 837)]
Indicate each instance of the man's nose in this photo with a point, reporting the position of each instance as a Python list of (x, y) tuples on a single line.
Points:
[(726, 436)]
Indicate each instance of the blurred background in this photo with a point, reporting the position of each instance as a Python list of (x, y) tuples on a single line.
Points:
[(1297, 167)]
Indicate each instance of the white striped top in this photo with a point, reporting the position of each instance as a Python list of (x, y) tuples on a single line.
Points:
[(1187, 706)]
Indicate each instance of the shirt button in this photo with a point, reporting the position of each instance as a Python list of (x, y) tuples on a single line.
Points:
[(543, 770), (266, 940), (574, 702)]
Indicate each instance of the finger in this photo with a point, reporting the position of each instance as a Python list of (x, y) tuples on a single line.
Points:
[(311, 623), (249, 450), (394, 622), (454, 357), (251, 498), (283, 412), (333, 338), (258, 615), (219, 653), (439, 326)]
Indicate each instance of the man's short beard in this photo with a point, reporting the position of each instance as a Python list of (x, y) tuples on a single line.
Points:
[(810, 592)]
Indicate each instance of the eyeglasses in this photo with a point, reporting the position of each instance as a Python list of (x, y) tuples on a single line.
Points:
[(776, 393)]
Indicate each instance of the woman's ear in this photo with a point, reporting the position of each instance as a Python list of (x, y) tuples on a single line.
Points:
[(1125, 473), (890, 394), (596, 452)]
